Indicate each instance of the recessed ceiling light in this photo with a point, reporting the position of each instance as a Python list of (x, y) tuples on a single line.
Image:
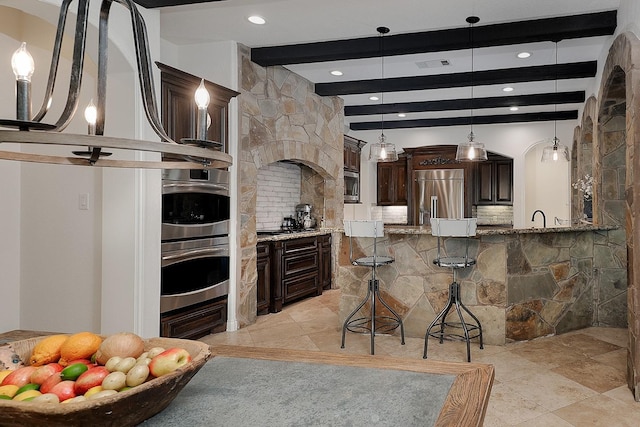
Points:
[(513, 108), (336, 73), (258, 20), (523, 55), (374, 98), (507, 89), (402, 115)]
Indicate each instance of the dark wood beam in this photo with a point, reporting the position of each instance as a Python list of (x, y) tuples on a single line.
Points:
[(466, 104), (575, 70), (535, 30), (461, 121)]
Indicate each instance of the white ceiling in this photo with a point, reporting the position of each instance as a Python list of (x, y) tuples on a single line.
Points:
[(299, 21)]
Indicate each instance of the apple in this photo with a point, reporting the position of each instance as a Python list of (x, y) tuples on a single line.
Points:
[(91, 378), (19, 377), (64, 390), (48, 384), (168, 361), (43, 372)]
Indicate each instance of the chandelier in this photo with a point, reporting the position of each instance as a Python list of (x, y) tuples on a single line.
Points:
[(197, 153)]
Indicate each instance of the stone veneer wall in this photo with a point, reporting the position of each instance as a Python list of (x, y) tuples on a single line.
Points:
[(523, 285), (281, 118), (608, 137)]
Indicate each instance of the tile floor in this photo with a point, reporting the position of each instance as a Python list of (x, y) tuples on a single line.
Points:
[(575, 379)]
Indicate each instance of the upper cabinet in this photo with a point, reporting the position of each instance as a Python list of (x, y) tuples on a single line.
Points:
[(494, 181), (392, 183), (179, 111), (352, 151)]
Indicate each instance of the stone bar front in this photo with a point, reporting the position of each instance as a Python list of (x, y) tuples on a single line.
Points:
[(527, 283)]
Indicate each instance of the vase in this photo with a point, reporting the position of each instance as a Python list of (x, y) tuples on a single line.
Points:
[(588, 209)]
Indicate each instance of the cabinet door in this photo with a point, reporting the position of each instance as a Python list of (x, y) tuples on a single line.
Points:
[(264, 278), (385, 182), (400, 187), (504, 182), (484, 183)]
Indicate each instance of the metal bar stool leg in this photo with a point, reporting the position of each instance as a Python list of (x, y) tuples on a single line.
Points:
[(439, 320), (353, 313), (373, 283), (395, 315)]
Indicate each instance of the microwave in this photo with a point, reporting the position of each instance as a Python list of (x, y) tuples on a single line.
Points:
[(351, 187)]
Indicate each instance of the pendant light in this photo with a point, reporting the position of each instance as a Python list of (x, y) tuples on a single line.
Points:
[(382, 151), (555, 152), (471, 151)]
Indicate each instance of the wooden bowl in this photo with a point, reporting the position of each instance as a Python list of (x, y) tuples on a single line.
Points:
[(126, 408)]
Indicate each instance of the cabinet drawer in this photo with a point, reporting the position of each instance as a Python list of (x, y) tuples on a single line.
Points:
[(300, 264), (295, 246), (195, 323), (300, 286)]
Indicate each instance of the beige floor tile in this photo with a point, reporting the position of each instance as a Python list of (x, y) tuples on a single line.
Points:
[(546, 420), (599, 411), (622, 394), (508, 408), (509, 366), (240, 337), (585, 344), (617, 336), (277, 332), (616, 359), (548, 353), (549, 390), (593, 374)]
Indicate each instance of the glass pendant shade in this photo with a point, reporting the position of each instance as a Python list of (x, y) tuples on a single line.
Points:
[(383, 151), (555, 152), (471, 151)]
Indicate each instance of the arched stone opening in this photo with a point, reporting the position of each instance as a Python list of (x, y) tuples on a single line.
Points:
[(619, 104)]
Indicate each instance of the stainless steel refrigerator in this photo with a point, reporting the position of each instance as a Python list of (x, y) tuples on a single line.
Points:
[(439, 193)]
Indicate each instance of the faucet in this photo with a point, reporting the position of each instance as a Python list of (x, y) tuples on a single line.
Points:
[(544, 218)]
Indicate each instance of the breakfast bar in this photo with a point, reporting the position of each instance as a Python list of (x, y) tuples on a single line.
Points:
[(527, 283)]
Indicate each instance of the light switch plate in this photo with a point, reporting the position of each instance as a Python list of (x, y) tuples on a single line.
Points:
[(83, 201)]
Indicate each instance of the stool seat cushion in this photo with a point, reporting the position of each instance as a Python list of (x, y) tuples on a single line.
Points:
[(454, 262), (368, 261)]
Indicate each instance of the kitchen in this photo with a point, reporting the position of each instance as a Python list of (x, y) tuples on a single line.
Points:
[(115, 284)]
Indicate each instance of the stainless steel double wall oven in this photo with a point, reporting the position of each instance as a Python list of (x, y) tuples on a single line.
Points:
[(195, 237)]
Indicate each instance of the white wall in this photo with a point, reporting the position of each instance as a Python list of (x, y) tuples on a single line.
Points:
[(277, 194), (58, 252)]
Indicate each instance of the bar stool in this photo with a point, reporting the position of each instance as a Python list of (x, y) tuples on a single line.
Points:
[(373, 323), (465, 227)]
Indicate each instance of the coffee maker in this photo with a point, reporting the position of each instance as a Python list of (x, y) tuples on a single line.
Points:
[(303, 216)]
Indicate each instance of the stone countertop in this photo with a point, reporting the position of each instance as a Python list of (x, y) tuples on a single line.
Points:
[(295, 235), (499, 230)]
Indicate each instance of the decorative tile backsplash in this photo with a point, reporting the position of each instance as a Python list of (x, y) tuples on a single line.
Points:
[(277, 195)]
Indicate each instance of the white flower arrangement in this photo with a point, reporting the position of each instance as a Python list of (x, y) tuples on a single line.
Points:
[(585, 186)]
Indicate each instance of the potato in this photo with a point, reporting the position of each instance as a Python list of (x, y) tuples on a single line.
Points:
[(154, 352), (112, 362), (103, 393), (114, 381), (137, 375), (125, 364)]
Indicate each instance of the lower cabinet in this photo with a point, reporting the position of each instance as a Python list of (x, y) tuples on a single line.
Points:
[(292, 269), (195, 321)]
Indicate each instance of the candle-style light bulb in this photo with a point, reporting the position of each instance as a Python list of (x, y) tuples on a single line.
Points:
[(91, 116), (22, 63), (472, 153), (202, 101), (23, 67)]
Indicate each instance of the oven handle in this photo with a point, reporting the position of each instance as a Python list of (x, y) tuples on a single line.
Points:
[(195, 187), (195, 253)]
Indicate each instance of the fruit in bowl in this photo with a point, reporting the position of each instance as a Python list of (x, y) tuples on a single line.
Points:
[(168, 361)]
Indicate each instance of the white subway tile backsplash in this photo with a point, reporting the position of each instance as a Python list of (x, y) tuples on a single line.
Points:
[(278, 193)]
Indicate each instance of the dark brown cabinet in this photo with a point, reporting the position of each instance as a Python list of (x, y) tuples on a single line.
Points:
[(352, 151), (494, 182), (289, 270), (264, 277), (195, 322), (392, 183), (179, 111)]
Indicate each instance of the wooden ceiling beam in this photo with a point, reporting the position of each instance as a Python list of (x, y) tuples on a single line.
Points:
[(530, 31)]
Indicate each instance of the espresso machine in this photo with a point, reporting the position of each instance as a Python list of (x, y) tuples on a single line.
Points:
[(303, 216)]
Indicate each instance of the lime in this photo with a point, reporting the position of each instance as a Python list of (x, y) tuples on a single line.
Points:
[(72, 372), (30, 386)]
